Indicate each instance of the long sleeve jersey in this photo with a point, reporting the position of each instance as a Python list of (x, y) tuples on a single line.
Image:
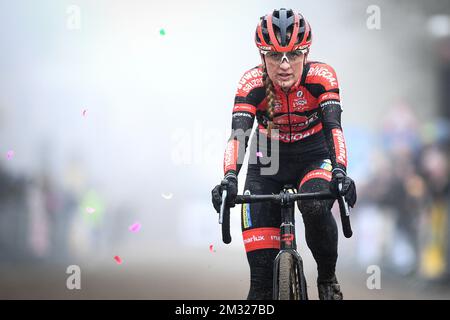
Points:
[(308, 116)]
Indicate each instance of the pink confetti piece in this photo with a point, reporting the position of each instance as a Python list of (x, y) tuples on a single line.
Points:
[(118, 259), (211, 248), (259, 154), (10, 154), (135, 227), (90, 210), (84, 113)]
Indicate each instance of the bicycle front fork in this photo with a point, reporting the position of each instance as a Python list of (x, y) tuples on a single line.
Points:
[(288, 244)]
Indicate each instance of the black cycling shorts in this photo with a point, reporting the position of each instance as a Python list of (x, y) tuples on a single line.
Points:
[(260, 222)]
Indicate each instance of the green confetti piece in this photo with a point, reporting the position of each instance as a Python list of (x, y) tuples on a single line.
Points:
[(162, 32)]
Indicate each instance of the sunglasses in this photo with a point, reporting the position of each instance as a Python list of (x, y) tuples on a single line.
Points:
[(291, 56)]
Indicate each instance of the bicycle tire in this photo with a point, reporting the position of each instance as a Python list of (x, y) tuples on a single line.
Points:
[(291, 283)]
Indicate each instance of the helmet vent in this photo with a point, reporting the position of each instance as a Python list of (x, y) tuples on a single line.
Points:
[(265, 31), (309, 36)]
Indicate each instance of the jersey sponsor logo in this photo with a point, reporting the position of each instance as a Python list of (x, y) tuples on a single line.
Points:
[(300, 102), (254, 73), (246, 218), (328, 96), (250, 85), (261, 238), (327, 103), (242, 114), (254, 238), (326, 165), (302, 121), (277, 106), (250, 80), (316, 174), (299, 94), (324, 73), (295, 137), (275, 238), (286, 137), (296, 122), (244, 107), (286, 119), (230, 156), (302, 105), (339, 145)]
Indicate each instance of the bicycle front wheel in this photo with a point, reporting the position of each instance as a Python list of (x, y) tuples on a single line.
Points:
[(291, 280)]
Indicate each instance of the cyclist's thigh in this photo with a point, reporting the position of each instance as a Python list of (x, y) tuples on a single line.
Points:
[(316, 177)]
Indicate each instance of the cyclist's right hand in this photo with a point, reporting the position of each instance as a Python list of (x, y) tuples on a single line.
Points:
[(232, 189)]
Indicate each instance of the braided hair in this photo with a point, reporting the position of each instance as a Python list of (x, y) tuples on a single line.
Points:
[(270, 94)]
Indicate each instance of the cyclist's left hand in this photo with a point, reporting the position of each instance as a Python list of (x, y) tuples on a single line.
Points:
[(348, 186)]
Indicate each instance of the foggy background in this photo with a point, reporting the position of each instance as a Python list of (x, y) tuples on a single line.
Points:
[(117, 112)]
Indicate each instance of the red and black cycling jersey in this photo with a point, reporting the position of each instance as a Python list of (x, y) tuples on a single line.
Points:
[(308, 116)]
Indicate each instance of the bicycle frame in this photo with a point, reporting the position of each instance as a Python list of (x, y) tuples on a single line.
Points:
[(288, 244)]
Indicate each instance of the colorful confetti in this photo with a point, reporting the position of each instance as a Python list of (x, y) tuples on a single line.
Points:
[(259, 154), (135, 227), (162, 32), (211, 248), (118, 259), (84, 113), (90, 210), (10, 154), (167, 197)]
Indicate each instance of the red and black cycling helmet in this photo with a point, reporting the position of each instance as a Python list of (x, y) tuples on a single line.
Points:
[(292, 29)]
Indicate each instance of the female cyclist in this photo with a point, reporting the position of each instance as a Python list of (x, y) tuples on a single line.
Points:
[(295, 102)]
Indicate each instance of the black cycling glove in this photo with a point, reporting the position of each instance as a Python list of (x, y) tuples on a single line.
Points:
[(348, 186), (232, 189)]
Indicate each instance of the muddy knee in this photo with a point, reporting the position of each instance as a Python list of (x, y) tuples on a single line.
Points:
[(312, 207)]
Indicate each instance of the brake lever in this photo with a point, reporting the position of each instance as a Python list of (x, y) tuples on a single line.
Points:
[(345, 216), (224, 215), (224, 184), (222, 206), (344, 202)]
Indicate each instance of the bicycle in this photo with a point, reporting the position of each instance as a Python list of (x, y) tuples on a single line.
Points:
[(289, 282)]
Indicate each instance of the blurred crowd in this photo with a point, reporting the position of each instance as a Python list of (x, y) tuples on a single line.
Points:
[(404, 197), (53, 219)]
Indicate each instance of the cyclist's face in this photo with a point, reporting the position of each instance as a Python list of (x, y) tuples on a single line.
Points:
[(284, 69)]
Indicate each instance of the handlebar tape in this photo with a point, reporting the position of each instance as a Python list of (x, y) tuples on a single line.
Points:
[(345, 217), (226, 236)]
